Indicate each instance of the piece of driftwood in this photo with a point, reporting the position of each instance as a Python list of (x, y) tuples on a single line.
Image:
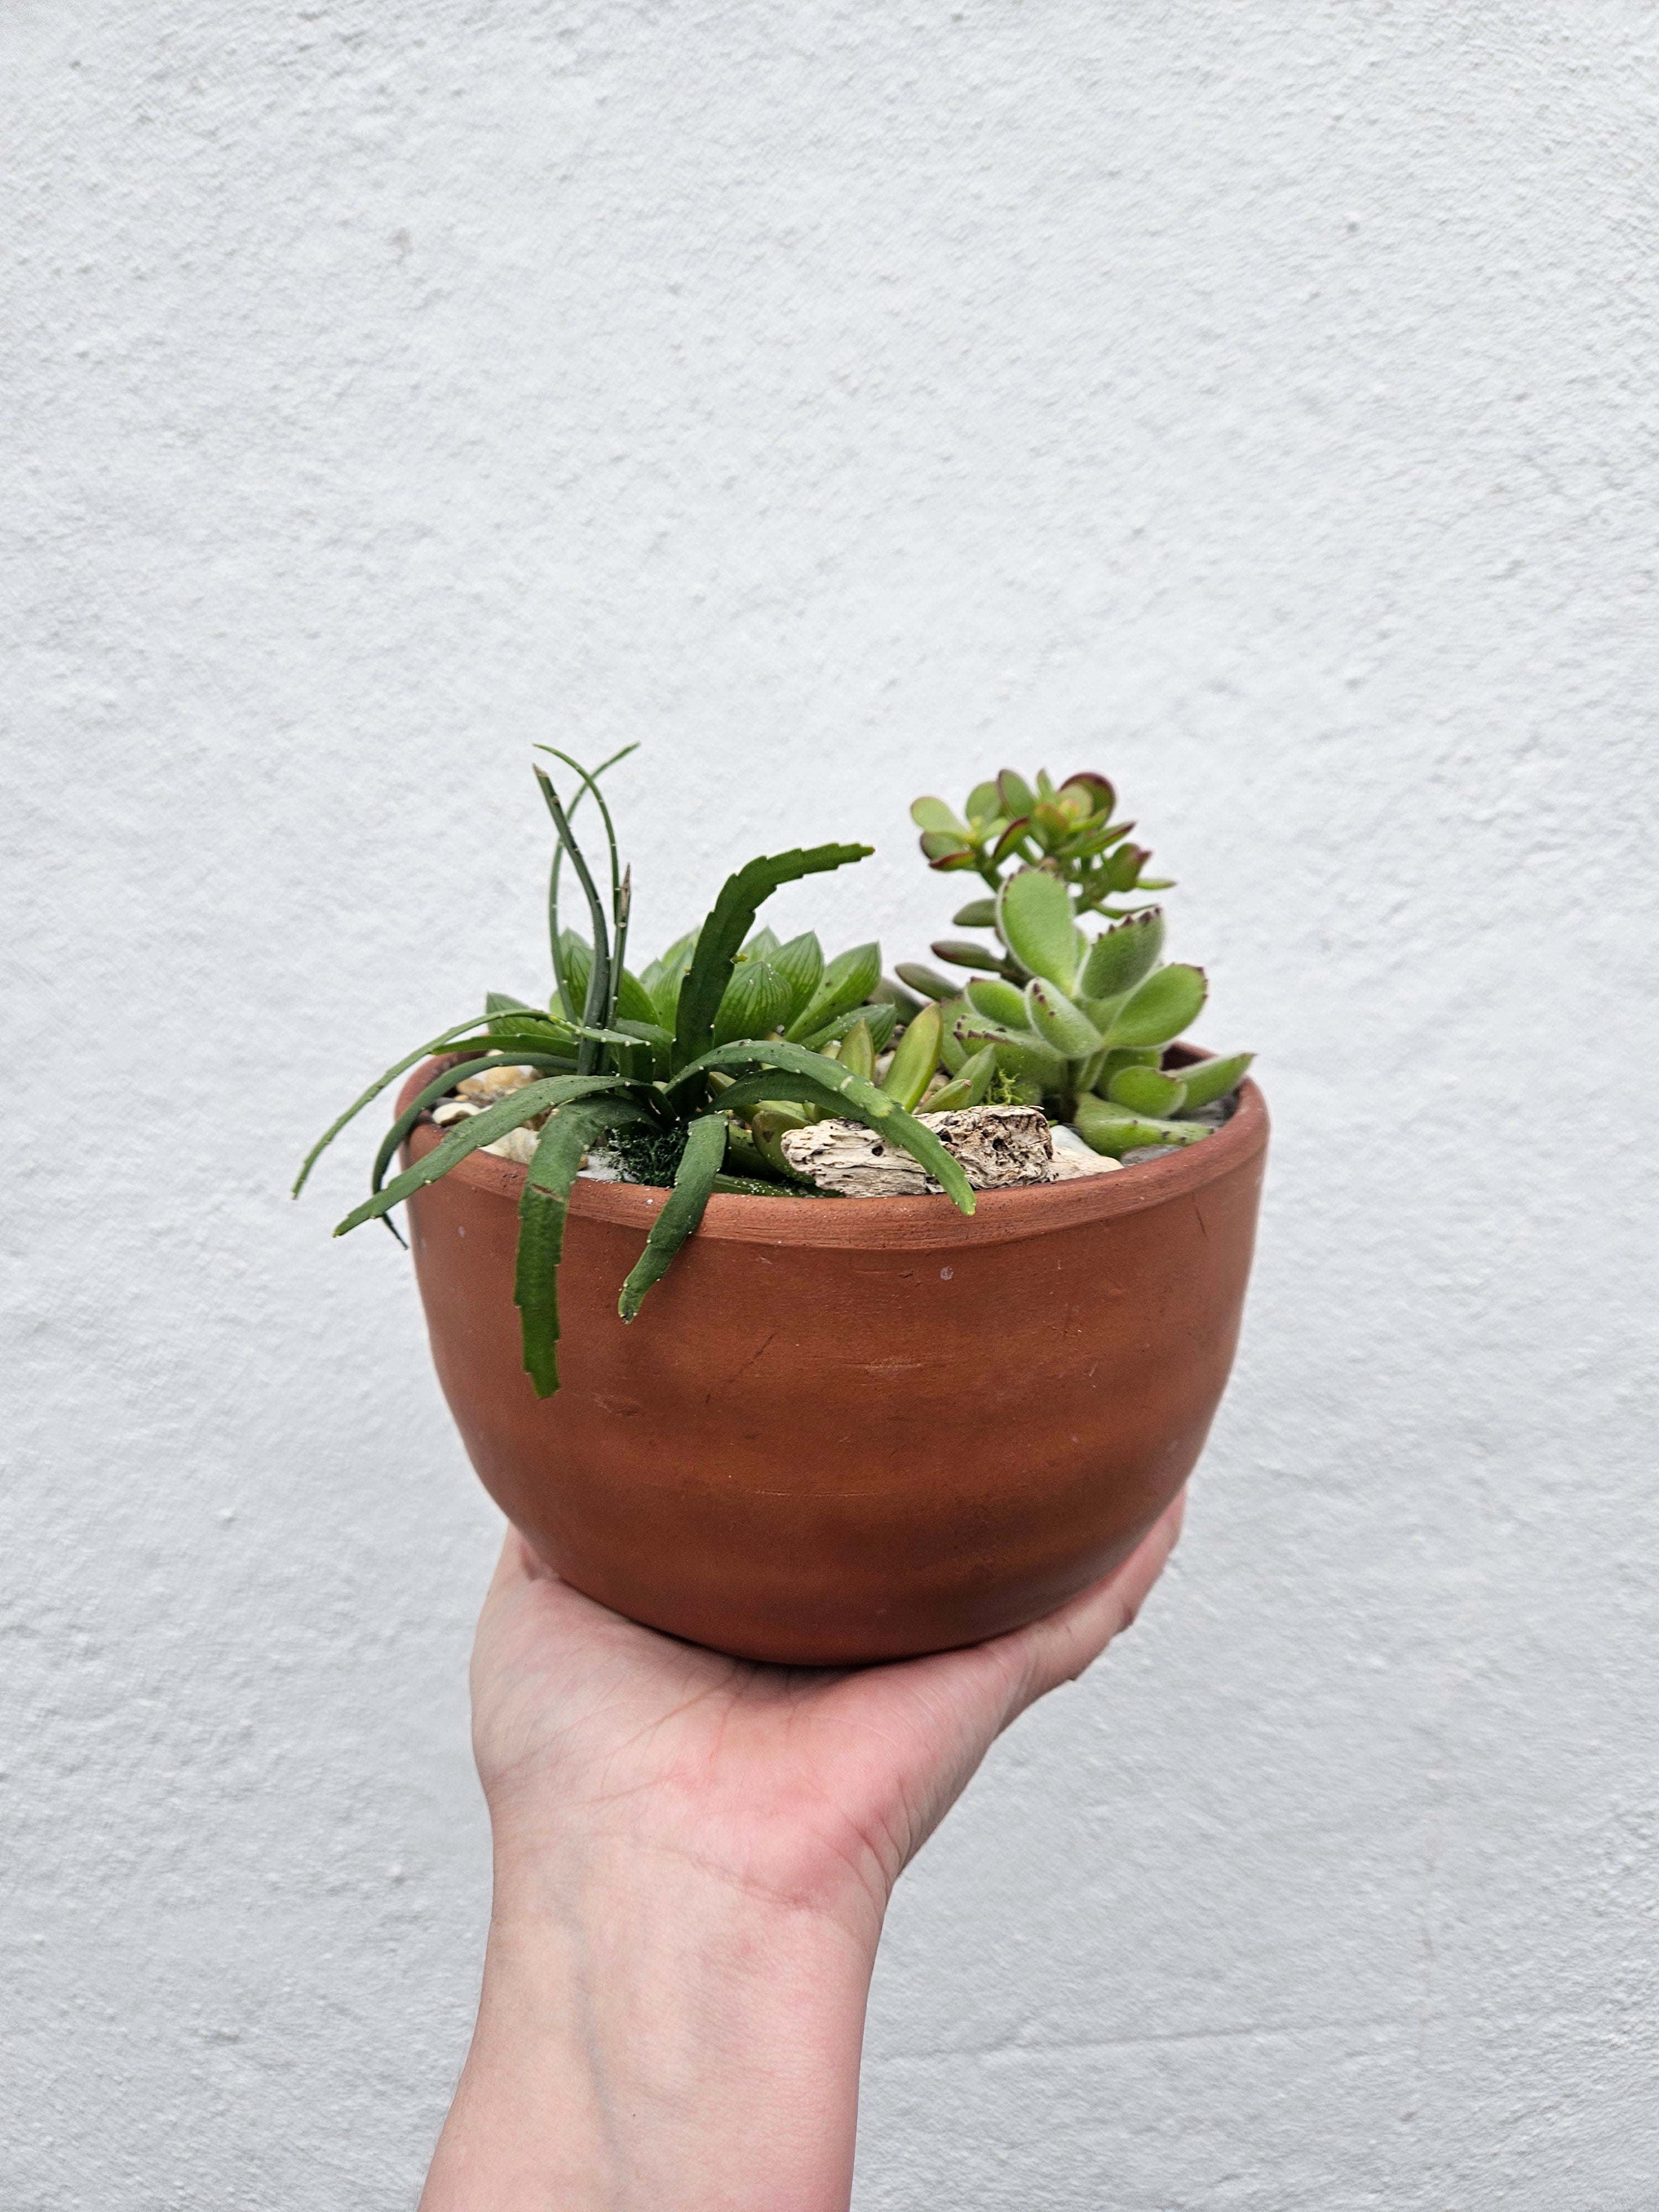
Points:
[(997, 1145)]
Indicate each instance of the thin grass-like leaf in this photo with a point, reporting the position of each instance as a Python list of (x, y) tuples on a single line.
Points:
[(599, 980), (729, 922), (694, 1180), (420, 1051), (482, 1129), (439, 1086)]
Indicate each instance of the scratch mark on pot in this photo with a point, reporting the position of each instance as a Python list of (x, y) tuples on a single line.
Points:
[(743, 1366), (1199, 1213)]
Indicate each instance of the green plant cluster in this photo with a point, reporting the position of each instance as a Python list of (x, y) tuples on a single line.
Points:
[(1079, 1024), (688, 1069)]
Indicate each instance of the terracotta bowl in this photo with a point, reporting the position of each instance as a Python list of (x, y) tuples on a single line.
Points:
[(849, 1430)]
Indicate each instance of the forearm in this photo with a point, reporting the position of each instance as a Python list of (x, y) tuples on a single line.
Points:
[(650, 2036)]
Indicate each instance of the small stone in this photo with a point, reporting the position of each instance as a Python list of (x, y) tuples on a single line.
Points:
[(495, 1083), (1072, 1166), (448, 1110), (517, 1146)]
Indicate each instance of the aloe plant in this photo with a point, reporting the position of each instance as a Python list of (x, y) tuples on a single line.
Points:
[(1079, 1024), (664, 1067)]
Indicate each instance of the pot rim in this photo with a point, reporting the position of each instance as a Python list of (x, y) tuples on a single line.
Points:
[(927, 1222)]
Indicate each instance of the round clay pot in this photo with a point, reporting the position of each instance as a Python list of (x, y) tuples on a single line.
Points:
[(844, 1430)]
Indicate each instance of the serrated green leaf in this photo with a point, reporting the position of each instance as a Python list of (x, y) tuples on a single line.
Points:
[(543, 1205), (1165, 1004), (1123, 955), (1034, 915), (682, 1209), (440, 1087), (729, 922)]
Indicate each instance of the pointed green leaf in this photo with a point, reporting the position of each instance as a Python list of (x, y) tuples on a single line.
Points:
[(756, 1002), (978, 914), (800, 962), (729, 922), (1207, 1081), (440, 1087), (1165, 1004), (761, 944), (914, 1058), (927, 980), (502, 1002), (1124, 954), (665, 976), (1034, 914), (846, 982), (1051, 1014), (880, 1020), (694, 1182)]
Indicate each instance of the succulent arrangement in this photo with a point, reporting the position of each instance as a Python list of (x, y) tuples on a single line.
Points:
[(1078, 1024), (685, 1069), (691, 1075)]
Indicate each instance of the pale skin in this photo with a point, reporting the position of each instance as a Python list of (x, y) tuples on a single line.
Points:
[(693, 1857)]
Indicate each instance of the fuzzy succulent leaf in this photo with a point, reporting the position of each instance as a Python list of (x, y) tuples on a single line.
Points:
[(1051, 1015), (682, 1209), (1207, 1080), (963, 952), (1151, 1091), (480, 1130), (800, 962), (756, 1002), (1123, 955), (729, 922), (543, 1203), (1034, 914), (998, 1001), (1019, 1052), (1165, 1004), (846, 982), (1116, 1130), (978, 914), (952, 1053)]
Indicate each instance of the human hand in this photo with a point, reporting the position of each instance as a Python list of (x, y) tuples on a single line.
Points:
[(693, 1857)]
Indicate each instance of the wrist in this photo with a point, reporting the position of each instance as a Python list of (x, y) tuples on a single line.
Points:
[(657, 2032)]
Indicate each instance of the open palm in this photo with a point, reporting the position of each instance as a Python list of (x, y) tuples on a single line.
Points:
[(813, 1787)]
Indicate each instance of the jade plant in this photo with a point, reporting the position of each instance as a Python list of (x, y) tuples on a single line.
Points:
[(1075, 1022), (684, 1072)]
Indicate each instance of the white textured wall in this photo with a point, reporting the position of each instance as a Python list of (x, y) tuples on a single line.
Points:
[(1256, 401)]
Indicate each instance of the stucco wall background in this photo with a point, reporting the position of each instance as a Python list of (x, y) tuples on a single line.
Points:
[(1257, 403)]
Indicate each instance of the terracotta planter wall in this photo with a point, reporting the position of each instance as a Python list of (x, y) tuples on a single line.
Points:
[(849, 1430)]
